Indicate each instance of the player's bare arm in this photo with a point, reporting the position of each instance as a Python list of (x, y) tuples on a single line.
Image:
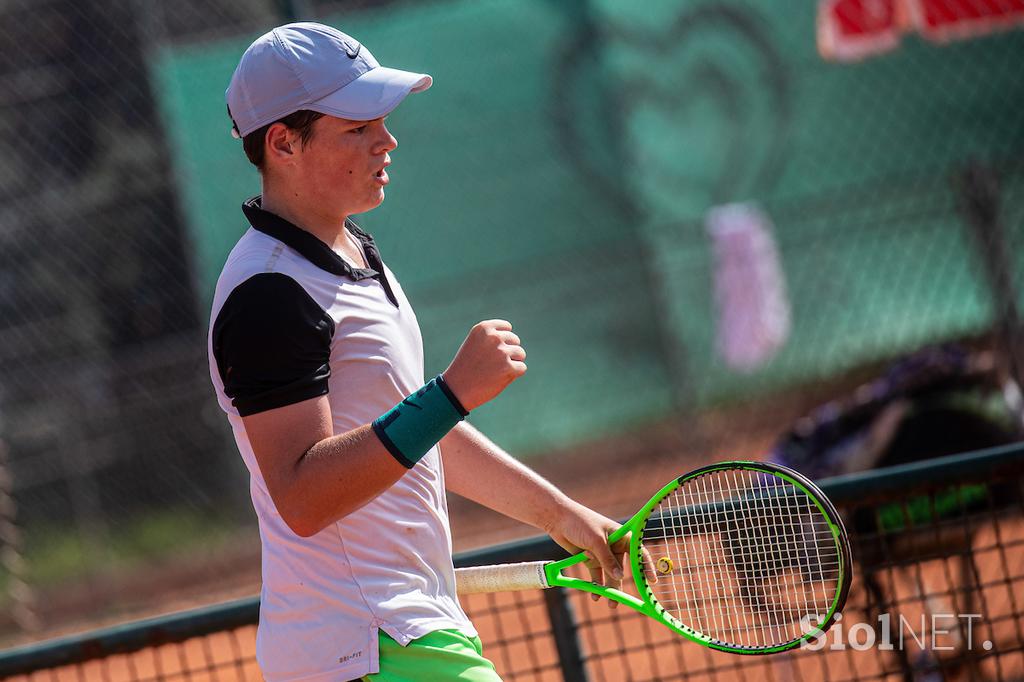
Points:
[(478, 469), (316, 477)]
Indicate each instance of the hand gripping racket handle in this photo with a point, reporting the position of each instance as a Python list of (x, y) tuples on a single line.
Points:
[(534, 575), (537, 575), (502, 578)]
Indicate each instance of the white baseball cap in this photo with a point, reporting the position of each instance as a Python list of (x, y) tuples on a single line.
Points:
[(316, 67)]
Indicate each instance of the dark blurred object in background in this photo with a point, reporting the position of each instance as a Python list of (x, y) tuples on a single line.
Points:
[(941, 400)]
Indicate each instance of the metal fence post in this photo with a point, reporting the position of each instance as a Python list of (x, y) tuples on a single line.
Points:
[(564, 629), (980, 197)]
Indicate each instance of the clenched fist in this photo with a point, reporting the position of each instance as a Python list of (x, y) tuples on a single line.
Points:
[(490, 359)]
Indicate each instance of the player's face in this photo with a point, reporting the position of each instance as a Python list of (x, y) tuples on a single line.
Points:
[(344, 162)]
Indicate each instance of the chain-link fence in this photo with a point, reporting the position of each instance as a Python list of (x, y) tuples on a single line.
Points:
[(938, 594), (700, 228)]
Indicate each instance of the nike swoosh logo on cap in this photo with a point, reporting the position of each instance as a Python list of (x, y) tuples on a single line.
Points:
[(353, 55)]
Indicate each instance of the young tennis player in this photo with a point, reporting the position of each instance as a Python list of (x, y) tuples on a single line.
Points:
[(317, 360)]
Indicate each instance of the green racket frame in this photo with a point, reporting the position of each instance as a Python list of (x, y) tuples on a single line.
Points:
[(653, 609)]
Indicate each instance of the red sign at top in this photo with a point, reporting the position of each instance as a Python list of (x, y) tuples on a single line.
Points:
[(849, 30)]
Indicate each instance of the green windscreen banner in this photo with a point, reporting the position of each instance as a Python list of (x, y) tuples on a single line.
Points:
[(561, 171)]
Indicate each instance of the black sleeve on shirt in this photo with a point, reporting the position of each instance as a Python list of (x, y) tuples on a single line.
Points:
[(272, 344)]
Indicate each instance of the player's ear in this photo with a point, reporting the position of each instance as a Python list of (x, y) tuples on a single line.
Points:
[(280, 144)]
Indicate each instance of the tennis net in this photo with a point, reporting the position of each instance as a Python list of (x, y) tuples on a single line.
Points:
[(938, 594)]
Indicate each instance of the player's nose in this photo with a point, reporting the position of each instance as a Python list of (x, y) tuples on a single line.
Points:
[(388, 141)]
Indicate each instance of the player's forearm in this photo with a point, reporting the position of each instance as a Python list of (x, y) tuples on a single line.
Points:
[(334, 478), (477, 469), (316, 477)]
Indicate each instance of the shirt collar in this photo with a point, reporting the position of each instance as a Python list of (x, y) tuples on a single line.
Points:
[(310, 247)]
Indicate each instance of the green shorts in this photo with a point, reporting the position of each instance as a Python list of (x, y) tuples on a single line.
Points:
[(439, 656)]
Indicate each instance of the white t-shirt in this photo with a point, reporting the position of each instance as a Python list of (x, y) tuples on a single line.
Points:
[(292, 321)]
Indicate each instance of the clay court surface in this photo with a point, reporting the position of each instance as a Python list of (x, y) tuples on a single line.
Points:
[(618, 644), (621, 645)]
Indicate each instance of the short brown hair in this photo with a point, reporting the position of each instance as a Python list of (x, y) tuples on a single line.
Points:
[(301, 121)]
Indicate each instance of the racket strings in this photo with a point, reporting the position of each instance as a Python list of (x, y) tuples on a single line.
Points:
[(745, 557)]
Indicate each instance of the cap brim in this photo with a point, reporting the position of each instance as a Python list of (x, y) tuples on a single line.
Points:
[(372, 95)]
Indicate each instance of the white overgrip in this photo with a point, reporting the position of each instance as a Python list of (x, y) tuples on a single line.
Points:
[(501, 578)]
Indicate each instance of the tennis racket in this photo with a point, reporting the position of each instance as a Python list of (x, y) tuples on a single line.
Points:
[(750, 558)]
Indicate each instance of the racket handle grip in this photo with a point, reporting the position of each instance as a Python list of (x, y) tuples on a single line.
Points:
[(501, 578)]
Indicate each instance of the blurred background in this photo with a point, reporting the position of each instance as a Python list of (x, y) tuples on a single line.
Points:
[(723, 228)]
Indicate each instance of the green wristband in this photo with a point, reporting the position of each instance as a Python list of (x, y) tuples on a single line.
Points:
[(409, 429)]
